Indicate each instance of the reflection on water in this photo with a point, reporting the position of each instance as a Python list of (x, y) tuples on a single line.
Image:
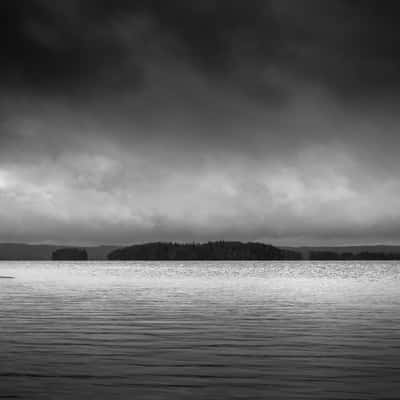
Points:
[(200, 330)]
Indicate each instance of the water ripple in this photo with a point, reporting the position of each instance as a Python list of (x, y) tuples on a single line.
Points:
[(241, 330)]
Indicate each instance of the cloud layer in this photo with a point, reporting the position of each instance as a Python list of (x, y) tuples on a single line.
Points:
[(130, 121)]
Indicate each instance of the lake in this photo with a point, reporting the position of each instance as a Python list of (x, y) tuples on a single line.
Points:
[(200, 330)]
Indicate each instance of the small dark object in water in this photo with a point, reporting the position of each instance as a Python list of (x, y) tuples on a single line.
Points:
[(6, 277)]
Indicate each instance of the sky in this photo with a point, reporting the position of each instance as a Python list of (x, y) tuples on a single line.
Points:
[(183, 120)]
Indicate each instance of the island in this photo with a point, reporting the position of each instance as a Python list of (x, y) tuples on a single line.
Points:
[(69, 254), (220, 250)]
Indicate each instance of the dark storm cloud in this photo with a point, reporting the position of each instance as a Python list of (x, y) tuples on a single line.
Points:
[(52, 47), (141, 120), (350, 46)]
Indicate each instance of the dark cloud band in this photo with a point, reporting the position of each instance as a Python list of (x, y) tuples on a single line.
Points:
[(163, 120)]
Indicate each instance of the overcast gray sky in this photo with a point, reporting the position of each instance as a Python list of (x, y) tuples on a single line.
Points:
[(132, 121)]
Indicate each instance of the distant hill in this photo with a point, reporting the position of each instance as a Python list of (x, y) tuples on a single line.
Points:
[(367, 252), (206, 251), (100, 252), (23, 251)]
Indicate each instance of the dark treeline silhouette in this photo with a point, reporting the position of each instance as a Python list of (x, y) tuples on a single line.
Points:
[(205, 251), (363, 255), (23, 251), (70, 254)]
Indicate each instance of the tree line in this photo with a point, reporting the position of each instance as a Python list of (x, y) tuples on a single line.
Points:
[(220, 250)]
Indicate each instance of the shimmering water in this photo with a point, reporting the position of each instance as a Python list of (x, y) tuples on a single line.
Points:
[(200, 330)]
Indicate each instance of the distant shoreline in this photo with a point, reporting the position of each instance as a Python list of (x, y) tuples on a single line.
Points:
[(43, 252)]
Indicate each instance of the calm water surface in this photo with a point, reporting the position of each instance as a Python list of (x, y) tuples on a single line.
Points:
[(200, 330)]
